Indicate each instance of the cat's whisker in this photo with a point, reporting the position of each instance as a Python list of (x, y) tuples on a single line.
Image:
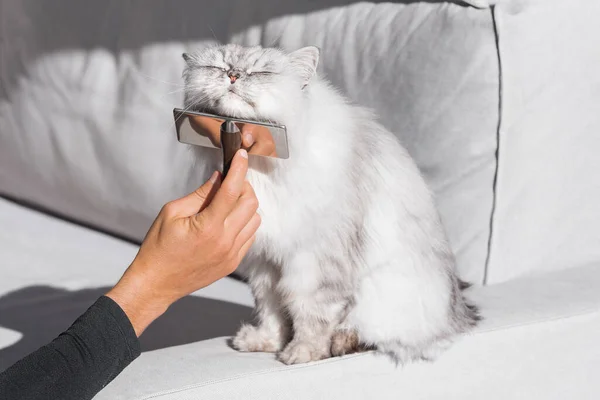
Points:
[(277, 39), (175, 91), (172, 124), (213, 33)]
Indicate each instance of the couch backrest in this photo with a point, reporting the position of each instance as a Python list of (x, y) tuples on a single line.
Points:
[(547, 213), (87, 92), (429, 70)]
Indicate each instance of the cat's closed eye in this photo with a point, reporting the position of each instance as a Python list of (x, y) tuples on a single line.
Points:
[(214, 67), (260, 72)]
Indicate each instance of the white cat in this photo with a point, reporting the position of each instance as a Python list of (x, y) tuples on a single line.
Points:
[(351, 254)]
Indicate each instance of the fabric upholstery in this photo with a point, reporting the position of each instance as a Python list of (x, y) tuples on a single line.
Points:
[(52, 270), (87, 93), (537, 339), (547, 213), (527, 348)]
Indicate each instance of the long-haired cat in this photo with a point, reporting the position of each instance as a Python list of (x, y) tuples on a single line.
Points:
[(351, 254)]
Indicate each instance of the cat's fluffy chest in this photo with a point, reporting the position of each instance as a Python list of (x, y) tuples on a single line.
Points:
[(281, 205), (280, 213)]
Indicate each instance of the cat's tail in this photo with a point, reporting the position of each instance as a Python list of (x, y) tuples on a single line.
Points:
[(463, 316), (468, 311)]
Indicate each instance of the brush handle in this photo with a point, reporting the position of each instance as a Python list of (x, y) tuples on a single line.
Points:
[(231, 142)]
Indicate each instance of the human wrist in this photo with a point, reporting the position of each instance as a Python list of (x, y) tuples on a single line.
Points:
[(135, 297)]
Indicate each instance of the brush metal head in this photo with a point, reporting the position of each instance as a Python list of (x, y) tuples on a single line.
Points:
[(258, 138)]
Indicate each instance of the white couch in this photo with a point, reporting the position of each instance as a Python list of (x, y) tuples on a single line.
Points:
[(498, 103)]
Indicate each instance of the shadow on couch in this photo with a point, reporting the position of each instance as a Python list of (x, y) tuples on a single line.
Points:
[(40, 313), (46, 27)]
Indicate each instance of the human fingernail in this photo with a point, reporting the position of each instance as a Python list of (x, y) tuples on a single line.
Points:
[(249, 139), (214, 177), (243, 153)]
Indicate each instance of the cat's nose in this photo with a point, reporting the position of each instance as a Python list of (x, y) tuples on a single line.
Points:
[(233, 76)]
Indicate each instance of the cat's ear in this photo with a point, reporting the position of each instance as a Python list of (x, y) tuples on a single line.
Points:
[(305, 60), (187, 58)]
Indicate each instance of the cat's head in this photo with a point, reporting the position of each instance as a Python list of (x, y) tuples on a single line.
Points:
[(248, 82)]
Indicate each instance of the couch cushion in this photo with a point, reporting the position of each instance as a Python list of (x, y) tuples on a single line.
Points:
[(429, 70), (86, 107), (52, 270), (538, 341), (85, 110), (548, 189)]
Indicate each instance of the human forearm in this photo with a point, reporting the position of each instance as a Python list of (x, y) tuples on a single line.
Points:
[(79, 362)]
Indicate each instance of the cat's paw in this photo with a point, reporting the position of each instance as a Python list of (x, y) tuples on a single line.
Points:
[(346, 342), (298, 352), (254, 339)]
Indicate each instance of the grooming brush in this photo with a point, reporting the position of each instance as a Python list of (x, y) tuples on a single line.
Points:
[(231, 142)]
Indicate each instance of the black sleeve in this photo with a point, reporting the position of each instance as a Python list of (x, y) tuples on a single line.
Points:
[(79, 362)]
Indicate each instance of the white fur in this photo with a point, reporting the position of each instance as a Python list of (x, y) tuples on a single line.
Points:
[(346, 177)]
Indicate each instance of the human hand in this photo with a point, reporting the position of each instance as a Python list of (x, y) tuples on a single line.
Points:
[(208, 127), (193, 242), (257, 139)]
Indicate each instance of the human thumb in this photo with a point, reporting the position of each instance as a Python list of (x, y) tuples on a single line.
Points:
[(199, 199)]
